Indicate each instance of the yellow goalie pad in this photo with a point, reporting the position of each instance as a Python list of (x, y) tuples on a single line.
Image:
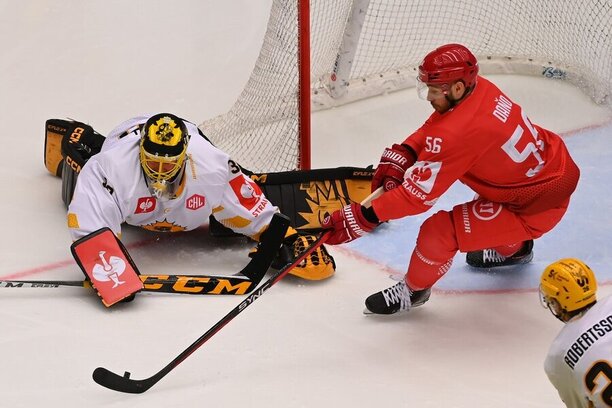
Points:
[(318, 265), (308, 196), (55, 129)]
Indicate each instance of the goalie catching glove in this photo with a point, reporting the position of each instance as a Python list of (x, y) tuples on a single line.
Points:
[(318, 265)]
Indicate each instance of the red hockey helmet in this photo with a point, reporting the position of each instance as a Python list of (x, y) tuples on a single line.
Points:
[(447, 64)]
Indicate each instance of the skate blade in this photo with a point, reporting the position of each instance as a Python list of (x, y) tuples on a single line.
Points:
[(367, 311)]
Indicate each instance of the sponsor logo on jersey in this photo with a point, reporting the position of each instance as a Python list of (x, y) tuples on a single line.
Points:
[(486, 210), (195, 202), (247, 192), (421, 177), (145, 205)]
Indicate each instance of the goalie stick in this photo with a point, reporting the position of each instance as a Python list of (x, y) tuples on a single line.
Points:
[(187, 284), (242, 283), (113, 381)]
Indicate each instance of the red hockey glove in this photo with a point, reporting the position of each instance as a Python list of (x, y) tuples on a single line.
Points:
[(393, 165), (347, 224)]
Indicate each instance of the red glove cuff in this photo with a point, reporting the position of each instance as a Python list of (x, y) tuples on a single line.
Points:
[(356, 220), (347, 224)]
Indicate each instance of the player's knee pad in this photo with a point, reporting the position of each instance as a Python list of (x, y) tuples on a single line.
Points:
[(437, 239)]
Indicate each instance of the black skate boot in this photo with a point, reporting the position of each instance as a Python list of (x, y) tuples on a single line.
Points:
[(395, 299), (490, 258)]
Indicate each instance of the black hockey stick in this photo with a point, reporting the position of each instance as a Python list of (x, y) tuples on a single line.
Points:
[(242, 283), (124, 383)]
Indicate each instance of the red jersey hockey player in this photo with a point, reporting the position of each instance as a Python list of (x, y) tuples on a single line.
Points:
[(523, 176)]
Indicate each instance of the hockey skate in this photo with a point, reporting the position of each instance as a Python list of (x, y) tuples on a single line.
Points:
[(490, 258), (395, 299)]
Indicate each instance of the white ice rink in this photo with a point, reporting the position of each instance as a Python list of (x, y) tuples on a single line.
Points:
[(479, 342)]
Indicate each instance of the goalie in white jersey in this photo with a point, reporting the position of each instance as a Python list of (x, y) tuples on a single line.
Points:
[(159, 173), (579, 363)]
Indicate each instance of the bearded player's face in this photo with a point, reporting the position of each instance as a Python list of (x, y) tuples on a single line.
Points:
[(444, 98), (441, 104)]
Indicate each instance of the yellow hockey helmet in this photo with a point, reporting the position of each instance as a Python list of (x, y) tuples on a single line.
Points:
[(567, 285), (163, 147)]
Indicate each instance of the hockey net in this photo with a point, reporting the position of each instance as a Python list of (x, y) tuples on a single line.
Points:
[(363, 48)]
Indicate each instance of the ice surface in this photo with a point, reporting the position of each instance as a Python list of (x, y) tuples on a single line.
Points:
[(480, 341)]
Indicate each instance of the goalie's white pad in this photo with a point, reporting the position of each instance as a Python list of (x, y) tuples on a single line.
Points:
[(107, 265)]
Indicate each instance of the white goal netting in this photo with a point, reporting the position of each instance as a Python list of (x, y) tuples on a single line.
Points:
[(362, 48)]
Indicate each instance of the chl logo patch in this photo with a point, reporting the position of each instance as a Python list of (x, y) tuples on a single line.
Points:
[(145, 205), (247, 192), (195, 201), (486, 210)]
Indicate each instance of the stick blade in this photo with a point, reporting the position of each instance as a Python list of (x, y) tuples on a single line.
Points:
[(119, 383)]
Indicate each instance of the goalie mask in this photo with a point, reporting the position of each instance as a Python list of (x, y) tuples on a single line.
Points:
[(163, 147), (567, 287)]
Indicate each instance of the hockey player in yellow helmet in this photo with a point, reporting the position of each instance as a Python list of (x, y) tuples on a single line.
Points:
[(163, 147), (579, 361), (567, 287), (159, 172)]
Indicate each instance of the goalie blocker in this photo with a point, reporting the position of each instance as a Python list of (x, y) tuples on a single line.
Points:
[(108, 266)]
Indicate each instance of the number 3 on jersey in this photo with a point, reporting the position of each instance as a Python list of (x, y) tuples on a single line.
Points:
[(599, 378), (532, 148)]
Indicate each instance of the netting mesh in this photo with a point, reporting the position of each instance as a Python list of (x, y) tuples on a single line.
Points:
[(361, 48)]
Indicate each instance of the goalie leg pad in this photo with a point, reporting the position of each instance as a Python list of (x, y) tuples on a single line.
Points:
[(108, 266), (55, 129), (65, 138), (308, 196)]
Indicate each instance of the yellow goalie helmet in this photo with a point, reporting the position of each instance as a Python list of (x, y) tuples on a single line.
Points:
[(163, 147), (566, 286)]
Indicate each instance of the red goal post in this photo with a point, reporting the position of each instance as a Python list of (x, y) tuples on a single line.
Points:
[(319, 54)]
